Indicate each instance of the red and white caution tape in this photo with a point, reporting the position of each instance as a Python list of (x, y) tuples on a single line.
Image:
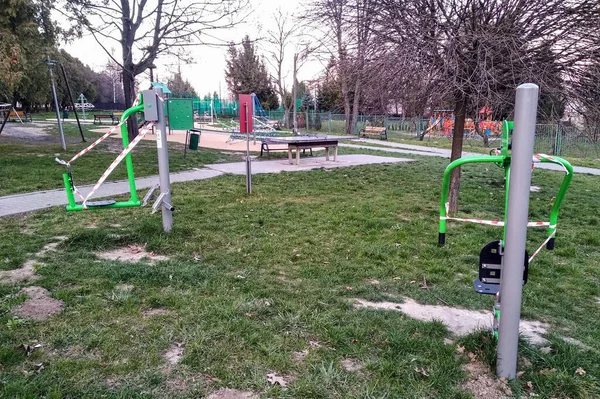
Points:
[(491, 222), (95, 143), (539, 157), (542, 246), (116, 162)]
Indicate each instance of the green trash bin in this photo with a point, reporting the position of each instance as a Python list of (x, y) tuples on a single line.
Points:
[(194, 140)]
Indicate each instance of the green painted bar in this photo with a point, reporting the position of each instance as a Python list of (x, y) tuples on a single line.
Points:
[(124, 204)]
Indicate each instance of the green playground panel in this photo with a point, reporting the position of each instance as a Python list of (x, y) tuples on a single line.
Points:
[(181, 113)]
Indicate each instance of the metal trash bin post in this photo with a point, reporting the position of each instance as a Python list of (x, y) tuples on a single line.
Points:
[(194, 140)]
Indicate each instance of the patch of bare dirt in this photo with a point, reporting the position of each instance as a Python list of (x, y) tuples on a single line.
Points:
[(300, 355), (351, 365), (483, 384), (25, 273), (227, 393), (40, 305), (155, 312), (131, 253), (278, 379), (174, 354), (459, 321)]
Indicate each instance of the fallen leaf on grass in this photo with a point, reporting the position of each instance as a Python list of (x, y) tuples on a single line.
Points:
[(546, 350), (348, 288), (29, 348), (580, 371), (274, 378), (421, 370), (546, 371), (520, 374), (325, 262), (528, 386), (460, 349)]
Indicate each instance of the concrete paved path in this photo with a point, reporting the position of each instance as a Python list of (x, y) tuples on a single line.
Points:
[(306, 163), (440, 152), (28, 202)]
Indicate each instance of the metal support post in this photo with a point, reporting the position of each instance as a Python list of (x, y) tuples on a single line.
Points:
[(51, 65), (163, 164), (511, 287), (248, 161)]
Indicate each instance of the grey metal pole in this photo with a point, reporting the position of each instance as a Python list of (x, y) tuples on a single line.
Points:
[(60, 128), (248, 160), (163, 164), (511, 287)]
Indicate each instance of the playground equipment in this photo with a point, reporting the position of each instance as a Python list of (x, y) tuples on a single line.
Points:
[(504, 264), (262, 126), (150, 103)]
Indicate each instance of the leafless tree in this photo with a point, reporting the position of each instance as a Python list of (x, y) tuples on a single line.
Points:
[(278, 41), (480, 50), (146, 29)]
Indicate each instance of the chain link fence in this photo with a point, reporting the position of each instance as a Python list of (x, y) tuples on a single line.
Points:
[(552, 139)]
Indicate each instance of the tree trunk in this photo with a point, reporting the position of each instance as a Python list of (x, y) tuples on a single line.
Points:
[(457, 145), (486, 141), (355, 106), (286, 117), (295, 119), (129, 91), (346, 96)]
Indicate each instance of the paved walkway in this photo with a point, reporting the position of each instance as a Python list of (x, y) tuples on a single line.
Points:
[(28, 202), (441, 152)]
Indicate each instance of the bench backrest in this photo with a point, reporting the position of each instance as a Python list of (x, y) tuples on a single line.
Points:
[(375, 128)]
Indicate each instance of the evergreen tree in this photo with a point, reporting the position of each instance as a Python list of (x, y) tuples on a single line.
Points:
[(247, 73), (180, 87)]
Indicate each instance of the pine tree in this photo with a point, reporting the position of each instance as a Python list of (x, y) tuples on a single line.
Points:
[(247, 73)]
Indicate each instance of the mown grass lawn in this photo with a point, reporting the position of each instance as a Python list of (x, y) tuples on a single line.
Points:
[(251, 280)]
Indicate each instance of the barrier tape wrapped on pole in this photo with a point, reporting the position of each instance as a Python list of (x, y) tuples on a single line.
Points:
[(116, 162), (511, 286)]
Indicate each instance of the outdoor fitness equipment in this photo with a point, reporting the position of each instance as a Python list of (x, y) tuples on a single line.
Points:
[(150, 102), (502, 266), (502, 158)]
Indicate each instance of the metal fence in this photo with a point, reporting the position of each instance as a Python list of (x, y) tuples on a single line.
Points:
[(551, 139)]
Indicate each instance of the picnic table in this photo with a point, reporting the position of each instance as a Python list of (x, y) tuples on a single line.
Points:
[(297, 143)]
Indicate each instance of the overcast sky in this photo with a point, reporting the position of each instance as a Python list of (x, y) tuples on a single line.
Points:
[(206, 73)]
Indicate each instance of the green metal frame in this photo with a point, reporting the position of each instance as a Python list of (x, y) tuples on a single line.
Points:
[(503, 160), (133, 199)]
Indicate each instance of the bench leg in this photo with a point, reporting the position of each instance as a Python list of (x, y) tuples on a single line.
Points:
[(290, 156), (297, 156), (327, 153), (335, 154)]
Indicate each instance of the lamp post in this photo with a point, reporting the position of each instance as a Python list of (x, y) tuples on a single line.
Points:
[(51, 65)]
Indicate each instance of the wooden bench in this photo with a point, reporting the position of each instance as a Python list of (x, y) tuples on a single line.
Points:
[(16, 115), (376, 131), (99, 117), (268, 146)]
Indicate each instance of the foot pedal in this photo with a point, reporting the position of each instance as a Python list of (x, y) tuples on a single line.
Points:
[(483, 288), (99, 204)]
